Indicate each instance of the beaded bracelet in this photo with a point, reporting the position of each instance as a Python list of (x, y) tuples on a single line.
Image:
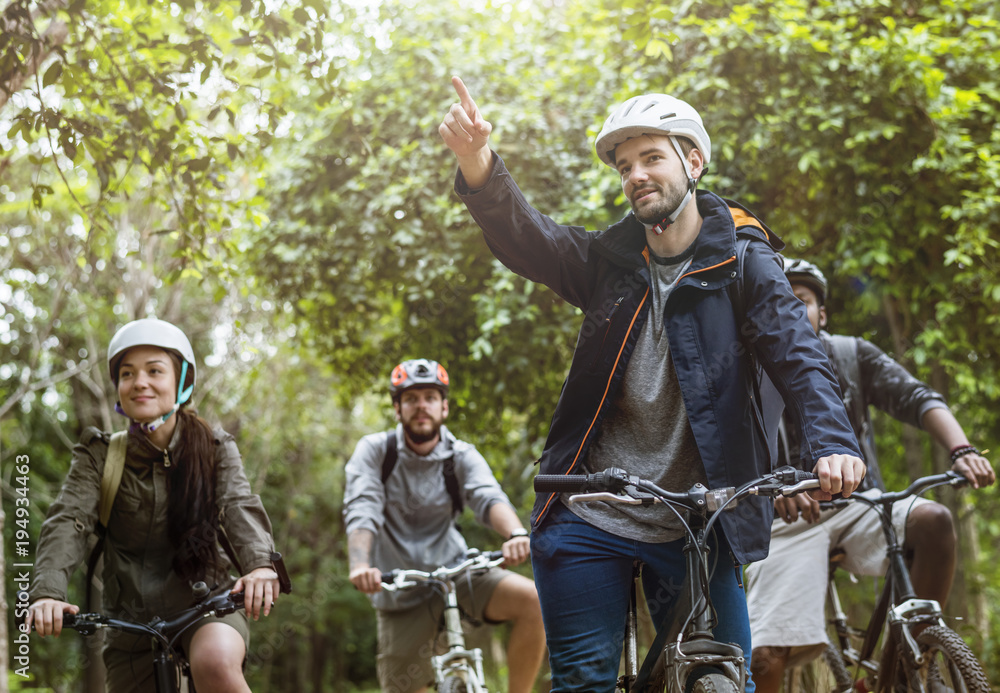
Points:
[(962, 451)]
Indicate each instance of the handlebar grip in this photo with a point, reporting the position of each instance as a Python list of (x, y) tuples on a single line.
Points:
[(493, 555), (69, 619), (279, 568), (561, 483), (390, 577), (611, 479)]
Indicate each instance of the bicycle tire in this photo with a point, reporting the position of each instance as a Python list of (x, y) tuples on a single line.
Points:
[(715, 683), (838, 667), (464, 682), (948, 660), (944, 644), (454, 684)]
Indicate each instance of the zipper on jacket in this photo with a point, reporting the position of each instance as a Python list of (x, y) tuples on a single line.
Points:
[(545, 507), (166, 458), (607, 329)]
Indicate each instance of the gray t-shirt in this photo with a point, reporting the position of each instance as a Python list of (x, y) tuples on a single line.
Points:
[(646, 431), (411, 514)]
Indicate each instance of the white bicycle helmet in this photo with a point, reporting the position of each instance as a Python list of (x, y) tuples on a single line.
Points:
[(806, 273), (157, 333), (652, 114), (656, 114)]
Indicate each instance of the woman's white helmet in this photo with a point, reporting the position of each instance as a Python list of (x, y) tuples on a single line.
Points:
[(149, 332), (652, 114), (166, 336)]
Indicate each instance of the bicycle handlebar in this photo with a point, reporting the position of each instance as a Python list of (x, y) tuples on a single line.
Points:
[(919, 486), (402, 578), (616, 485), (219, 605)]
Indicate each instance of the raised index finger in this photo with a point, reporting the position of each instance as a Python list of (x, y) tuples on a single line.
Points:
[(463, 95)]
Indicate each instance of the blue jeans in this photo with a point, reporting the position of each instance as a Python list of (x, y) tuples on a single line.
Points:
[(583, 576)]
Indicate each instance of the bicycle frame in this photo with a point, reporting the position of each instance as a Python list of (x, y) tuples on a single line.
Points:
[(898, 603), (458, 660), (686, 644), (168, 663), (458, 655)]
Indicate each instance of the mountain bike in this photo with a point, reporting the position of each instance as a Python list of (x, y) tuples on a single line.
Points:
[(170, 665), (920, 653), (684, 655), (459, 669)]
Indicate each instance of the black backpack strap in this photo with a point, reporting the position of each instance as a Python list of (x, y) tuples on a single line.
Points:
[(450, 478), (767, 405), (451, 483), (391, 456)]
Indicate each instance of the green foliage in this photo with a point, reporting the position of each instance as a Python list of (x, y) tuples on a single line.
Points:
[(270, 176), (371, 247)]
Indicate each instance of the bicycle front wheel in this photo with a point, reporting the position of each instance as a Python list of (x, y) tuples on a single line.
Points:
[(458, 683), (715, 683), (948, 665), (454, 684), (951, 661)]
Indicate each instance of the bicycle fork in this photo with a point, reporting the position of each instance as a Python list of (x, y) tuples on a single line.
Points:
[(689, 648), (699, 652), (457, 654)]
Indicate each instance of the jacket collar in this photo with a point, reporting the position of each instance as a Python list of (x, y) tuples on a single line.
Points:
[(624, 243), (140, 447)]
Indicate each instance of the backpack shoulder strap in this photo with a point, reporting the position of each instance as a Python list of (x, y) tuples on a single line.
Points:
[(451, 484), (111, 479), (767, 405), (391, 456), (844, 352), (736, 288), (448, 469)]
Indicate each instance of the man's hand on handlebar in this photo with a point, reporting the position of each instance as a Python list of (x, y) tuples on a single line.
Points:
[(366, 579), (47, 615), (801, 505), (976, 468), (516, 550), (838, 474)]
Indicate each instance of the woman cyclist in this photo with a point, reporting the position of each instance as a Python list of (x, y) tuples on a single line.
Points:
[(183, 486)]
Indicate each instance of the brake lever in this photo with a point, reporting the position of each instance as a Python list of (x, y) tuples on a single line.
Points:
[(605, 496)]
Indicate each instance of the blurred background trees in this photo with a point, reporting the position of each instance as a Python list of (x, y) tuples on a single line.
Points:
[(269, 176)]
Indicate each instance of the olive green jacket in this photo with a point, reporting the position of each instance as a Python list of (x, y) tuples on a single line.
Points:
[(139, 582)]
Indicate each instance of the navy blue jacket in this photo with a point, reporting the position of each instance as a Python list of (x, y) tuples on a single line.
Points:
[(606, 275)]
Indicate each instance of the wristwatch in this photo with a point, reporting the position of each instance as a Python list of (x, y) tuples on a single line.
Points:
[(520, 532)]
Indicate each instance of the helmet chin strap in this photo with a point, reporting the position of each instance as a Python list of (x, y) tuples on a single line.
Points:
[(150, 426), (659, 228)]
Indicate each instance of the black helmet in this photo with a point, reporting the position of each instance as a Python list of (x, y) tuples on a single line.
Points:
[(807, 273), (418, 373)]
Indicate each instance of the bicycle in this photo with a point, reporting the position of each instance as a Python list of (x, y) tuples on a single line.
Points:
[(459, 669), (684, 655), (920, 653), (170, 665)]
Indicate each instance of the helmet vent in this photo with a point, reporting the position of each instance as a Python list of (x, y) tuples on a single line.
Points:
[(668, 115)]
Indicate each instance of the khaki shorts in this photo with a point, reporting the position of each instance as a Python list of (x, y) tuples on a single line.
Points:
[(407, 639), (129, 659), (786, 592)]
